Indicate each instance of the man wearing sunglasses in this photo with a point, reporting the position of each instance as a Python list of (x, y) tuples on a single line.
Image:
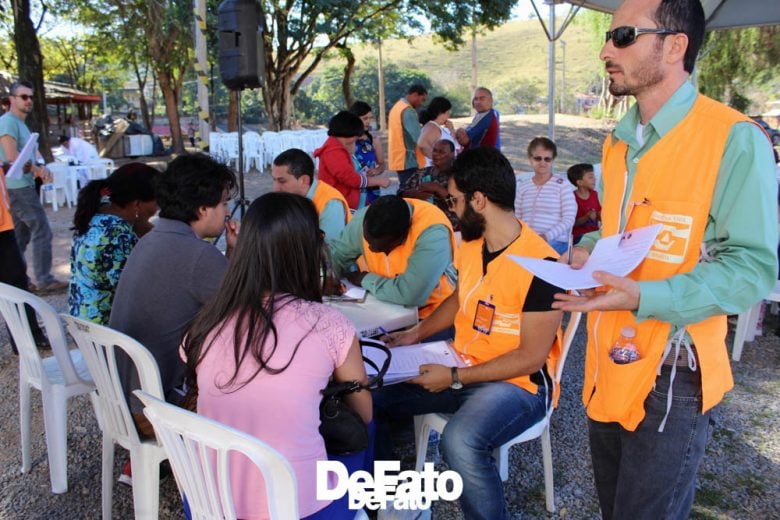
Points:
[(704, 172), (30, 221)]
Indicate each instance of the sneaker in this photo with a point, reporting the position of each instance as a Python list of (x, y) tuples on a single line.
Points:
[(52, 287), (126, 477)]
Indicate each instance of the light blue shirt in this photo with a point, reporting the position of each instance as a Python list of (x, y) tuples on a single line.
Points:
[(13, 126)]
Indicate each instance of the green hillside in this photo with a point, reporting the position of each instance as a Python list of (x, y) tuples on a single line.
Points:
[(513, 52)]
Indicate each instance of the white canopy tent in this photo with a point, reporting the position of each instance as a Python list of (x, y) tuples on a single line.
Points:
[(719, 14)]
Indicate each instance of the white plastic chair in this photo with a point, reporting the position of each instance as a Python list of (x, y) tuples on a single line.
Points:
[(98, 345), (60, 185), (423, 424), (746, 323), (58, 377), (199, 450)]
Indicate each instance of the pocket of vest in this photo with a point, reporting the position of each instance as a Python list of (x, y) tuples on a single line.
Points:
[(623, 388)]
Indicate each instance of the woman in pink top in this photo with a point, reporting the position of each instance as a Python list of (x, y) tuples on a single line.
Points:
[(265, 346)]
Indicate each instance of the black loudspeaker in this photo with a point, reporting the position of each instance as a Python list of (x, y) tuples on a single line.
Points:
[(241, 59)]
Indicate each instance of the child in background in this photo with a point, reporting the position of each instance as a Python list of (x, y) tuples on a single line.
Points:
[(588, 206)]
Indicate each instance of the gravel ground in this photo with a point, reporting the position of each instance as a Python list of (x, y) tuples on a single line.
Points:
[(739, 478)]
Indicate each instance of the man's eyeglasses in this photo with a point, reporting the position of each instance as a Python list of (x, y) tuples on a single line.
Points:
[(24, 97), (624, 36), (450, 201), (539, 158)]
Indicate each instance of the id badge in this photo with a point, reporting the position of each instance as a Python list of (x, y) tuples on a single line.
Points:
[(483, 317)]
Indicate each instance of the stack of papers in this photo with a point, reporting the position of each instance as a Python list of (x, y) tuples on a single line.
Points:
[(405, 361)]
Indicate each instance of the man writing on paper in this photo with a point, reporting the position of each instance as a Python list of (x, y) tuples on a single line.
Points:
[(504, 327), (703, 171), (403, 248)]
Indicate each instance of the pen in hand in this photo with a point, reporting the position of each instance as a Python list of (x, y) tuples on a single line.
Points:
[(571, 246)]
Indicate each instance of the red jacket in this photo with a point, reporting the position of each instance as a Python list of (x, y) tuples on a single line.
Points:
[(338, 170)]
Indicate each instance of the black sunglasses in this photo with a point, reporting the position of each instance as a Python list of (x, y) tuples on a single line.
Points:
[(539, 158), (24, 97), (624, 36)]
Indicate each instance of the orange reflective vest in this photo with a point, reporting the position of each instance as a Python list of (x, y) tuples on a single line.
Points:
[(6, 221), (325, 193), (673, 186), (424, 215), (505, 286), (396, 145)]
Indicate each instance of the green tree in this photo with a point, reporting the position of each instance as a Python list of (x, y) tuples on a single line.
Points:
[(735, 60)]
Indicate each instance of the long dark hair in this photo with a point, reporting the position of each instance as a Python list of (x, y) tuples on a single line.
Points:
[(437, 106), (131, 182), (277, 260)]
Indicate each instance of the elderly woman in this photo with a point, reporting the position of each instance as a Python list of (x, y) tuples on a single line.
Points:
[(260, 352), (110, 216)]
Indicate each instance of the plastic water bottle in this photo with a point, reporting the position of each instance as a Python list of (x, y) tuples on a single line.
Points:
[(624, 351)]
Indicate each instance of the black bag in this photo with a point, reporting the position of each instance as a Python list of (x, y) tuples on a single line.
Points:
[(341, 427)]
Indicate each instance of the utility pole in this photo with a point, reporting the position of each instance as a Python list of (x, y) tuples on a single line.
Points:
[(382, 115), (563, 78)]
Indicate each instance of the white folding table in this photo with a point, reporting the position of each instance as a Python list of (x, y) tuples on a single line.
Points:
[(371, 316)]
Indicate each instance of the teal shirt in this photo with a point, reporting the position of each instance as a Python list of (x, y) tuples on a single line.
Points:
[(15, 127), (431, 257), (332, 218), (411, 125), (741, 232)]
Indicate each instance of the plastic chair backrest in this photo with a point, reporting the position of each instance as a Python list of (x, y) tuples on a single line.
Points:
[(98, 346), (12, 302), (568, 339), (199, 451), (60, 173)]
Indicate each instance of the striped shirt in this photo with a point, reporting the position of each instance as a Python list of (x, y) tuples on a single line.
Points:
[(549, 209)]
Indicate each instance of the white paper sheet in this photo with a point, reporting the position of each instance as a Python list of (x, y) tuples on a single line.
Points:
[(27, 154), (353, 293), (616, 254), (405, 361)]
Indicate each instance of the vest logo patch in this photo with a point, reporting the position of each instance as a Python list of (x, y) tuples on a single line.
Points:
[(671, 244)]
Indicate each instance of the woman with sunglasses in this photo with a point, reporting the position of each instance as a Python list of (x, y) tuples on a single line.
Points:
[(260, 352), (545, 201)]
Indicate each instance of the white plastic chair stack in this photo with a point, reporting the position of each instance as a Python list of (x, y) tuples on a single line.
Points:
[(253, 151), (60, 185), (58, 377), (199, 450), (215, 145), (98, 345), (230, 148), (272, 142), (746, 323), (423, 424)]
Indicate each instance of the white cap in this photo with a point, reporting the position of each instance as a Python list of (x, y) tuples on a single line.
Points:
[(628, 332)]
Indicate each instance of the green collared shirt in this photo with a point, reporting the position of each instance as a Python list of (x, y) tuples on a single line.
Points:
[(741, 232), (332, 218), (431, 257)]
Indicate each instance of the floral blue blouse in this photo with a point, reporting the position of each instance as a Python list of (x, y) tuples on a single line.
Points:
[(96, 261)]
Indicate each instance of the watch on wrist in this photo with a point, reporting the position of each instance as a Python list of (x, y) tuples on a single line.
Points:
[(456, 384)]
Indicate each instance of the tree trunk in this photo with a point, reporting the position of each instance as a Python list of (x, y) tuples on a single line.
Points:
[(349, 68), (30, 66), (277, 102), (232, 111), (171, 110), (142, 97)]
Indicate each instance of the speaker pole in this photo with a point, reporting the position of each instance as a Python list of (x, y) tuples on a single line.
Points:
[(242, 200)]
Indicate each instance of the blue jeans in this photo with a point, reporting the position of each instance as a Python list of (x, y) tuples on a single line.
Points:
[(649, 475), (32, 224), (485, 416)]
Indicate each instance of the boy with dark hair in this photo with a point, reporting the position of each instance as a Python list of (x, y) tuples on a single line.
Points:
[(588, 205)]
